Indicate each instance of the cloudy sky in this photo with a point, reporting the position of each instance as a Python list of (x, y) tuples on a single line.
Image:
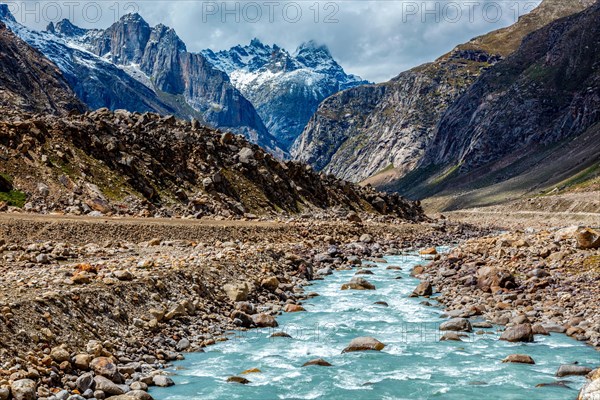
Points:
[(373, 39)]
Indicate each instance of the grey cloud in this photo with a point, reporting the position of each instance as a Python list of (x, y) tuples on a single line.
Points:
[(374, 39)]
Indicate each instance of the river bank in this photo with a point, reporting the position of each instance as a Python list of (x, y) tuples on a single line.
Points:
[(85, 300), (97, 307)]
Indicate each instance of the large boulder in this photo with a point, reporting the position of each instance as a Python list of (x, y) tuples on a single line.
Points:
[(519, 359), (358, 283), (364, 343), (424, 289), (105, 366), (457, 324), (271, 283), (587, 238), (318, 361), (263, 320), (23, 389), (107, 386), (518, 333), (238, 292), (572, 370)]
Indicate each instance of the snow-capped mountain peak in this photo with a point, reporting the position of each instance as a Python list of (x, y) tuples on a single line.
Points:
[(285, 88)]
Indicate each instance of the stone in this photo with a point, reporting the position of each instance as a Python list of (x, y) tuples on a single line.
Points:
[(107, 386), (59, 354), (176, 311), (424, 289), (290, 308), (590, 391), (358, 283), (364, 272), (183, 344), (353, 217), (271, 283), (138, 386), (238, 379), (23, 389), (263, 320), (246, 155), (450, 336), (366, 238), (123, 275), (317, 361), (364, 343), (85, 382), (82, 361), (518, 333), (162, 381), (491, 277), (104, 366), (457, 325), (572, 370), (519, 359), (539, 330), (428, 252), (238, 292), (4, 391), (281, 334), (242, 319), (251, 371), (587, 238)]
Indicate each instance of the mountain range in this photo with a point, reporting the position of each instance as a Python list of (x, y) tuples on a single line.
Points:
[(396, 134), (260, 91), (285, 88)]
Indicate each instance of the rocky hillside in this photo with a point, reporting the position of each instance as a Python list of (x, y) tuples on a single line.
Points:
[(523, 116), (285, 88), (384, 129), (133, 66), (29, 81), (144, 164)]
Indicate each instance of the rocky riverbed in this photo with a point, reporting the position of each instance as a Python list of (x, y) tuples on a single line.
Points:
[(96, 308), (532, 282)]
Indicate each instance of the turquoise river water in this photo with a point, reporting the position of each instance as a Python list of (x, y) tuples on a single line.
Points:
[(413, 365)]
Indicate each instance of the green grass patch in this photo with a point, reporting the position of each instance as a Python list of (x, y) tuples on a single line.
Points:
[(14, 198)]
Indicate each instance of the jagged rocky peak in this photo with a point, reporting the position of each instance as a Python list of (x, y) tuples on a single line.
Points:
[(66, 28), (313, 54), (5, 14), (125, 40)]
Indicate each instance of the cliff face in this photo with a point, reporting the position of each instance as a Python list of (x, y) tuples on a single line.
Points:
[(135, 67), (163, 60), (541, 98), (29, 81), (384, 129), (285, 88)]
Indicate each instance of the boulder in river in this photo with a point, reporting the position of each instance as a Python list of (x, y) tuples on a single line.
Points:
[(424, 289), (572, 370), (358, 283), (290, 308), (519, 359), (364, 343), (318, 361), (518, 333), (457, 324), (450, 336), (238, 379)]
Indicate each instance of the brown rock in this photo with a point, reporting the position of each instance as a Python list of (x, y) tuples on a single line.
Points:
[(519, 358), (518, 333), (364, 343), (271, 283), (424, 289), (358, 283), (263, 320), (293, 308), (318, 361), (587, 238), (238, 379), (428, 252)]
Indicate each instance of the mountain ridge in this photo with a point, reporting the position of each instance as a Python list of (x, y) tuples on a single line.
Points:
[(379, 133), (284, 87)]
